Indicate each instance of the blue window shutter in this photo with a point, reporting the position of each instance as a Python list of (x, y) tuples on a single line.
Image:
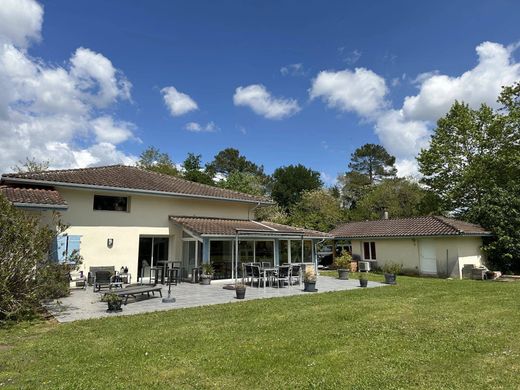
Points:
[(60, 245), (74, 244), (64, 245)]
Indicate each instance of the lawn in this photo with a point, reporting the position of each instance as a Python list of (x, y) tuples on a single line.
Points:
[(423, 333)]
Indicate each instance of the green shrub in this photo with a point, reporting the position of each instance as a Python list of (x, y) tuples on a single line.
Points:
[(343, 261), (26, 273), (207, 270), (392, 268)]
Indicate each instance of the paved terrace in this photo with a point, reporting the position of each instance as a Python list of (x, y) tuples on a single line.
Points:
[(86, 304)]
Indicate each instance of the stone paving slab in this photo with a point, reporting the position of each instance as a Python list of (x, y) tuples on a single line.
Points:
[(86, 304)]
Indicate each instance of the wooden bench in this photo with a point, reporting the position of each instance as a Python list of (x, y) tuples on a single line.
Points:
[(134, 291)]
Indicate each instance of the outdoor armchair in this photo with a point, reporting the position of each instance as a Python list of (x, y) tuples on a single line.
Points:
[(295, 274), (283, 275), (102, 279)]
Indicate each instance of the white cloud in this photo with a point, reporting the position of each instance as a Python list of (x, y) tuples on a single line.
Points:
[(195, 127), (361, 91), (408, 168), (400, 136), (52, 112), (177, 102), (293, 70), (482, 84), (328, 179), (108, 130), (20, 22), (97, 79), (404, 131), (260, 100)]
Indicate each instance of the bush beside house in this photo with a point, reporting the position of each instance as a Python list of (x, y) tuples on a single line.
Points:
[(26, 273)]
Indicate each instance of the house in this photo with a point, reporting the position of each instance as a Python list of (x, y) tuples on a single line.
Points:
[(124, 216), (429, 245)]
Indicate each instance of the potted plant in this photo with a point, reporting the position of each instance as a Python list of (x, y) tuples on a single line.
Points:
[(363, 280), (240, 289), (309, 280), (342, 264), (390, 271), (114, 302), (207, 274)]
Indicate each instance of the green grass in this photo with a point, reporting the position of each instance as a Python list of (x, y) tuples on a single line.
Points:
[(422, 333)]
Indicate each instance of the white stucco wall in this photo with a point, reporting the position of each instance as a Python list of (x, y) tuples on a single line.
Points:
[(148, 215), (451, 253)]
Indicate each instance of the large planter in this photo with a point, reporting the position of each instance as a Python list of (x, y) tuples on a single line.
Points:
[(241, 293), (390, 278), (363, 282), (343, 274), (310, 286), (114, 306), (205, 281)]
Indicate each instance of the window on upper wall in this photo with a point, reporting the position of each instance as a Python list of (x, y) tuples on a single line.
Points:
[(369, 250), (110, 203)]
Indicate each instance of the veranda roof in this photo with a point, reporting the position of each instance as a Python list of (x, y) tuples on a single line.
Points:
[(219, 227)]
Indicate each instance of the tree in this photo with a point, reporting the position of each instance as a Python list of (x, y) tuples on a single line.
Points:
[(318, 210), (400, 197), (353, 186), (373, 161), (245, 182), (153, 160), (288, 184), (463, 145), (31, 165), (369, 164), (229, 160), (473, 164), (273, 213), (193, 170), (26, 273)]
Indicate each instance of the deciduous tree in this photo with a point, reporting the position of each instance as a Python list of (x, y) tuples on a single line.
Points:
[(152, 159), (318, 210), (473, 163), (193, 170)]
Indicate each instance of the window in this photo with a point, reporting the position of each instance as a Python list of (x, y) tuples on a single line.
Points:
[(110, 203), (369, 250)]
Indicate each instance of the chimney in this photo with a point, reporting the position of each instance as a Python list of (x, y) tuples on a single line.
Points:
[(385, 215)]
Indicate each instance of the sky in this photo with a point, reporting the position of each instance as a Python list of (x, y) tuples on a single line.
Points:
[(89, 83)]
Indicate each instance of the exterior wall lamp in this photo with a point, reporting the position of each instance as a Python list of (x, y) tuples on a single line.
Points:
[(110, 242)]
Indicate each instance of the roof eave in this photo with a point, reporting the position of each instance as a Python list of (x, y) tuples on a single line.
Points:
[(40, 206), (345, 237), (132, 190)]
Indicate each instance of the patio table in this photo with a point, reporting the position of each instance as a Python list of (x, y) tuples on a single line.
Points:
[(266, 270)]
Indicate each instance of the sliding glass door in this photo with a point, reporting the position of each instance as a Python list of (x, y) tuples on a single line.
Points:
[(152, 252)]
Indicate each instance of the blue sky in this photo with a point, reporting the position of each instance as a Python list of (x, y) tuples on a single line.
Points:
[(316, 79)]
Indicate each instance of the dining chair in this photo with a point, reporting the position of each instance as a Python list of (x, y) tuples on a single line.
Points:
[(248, 273), (295, 274), (283, 275), (256, 274)]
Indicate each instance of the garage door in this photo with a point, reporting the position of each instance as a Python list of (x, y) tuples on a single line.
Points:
[(428, 257)]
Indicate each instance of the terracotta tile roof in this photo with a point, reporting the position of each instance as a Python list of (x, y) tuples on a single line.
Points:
[(21, 196), (130, 178), (228, 227), (408, 227)]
